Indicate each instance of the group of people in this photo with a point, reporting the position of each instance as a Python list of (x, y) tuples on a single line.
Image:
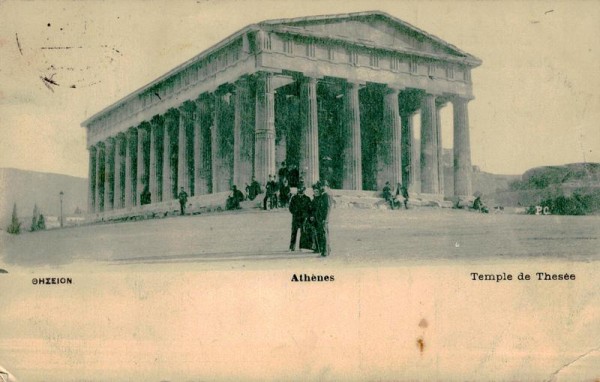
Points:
[(393, 198), (311, 218)]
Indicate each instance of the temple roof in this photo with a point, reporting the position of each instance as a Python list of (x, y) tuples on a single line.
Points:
[(371, 29)]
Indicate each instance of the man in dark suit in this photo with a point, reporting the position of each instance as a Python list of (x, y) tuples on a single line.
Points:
[(183, 197), (321, 207), (300, 208)]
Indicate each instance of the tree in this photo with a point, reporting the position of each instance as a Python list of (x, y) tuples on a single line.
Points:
[(15, 224), (41, 223), (34, 219)]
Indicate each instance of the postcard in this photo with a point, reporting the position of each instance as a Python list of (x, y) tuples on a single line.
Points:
[(298, 191)]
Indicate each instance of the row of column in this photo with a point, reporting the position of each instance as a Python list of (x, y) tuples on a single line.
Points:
[(202, 144)]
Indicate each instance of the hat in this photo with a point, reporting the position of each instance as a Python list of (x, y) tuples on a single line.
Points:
[(301, 188)]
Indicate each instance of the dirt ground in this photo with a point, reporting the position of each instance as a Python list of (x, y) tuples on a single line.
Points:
[(211, 297)]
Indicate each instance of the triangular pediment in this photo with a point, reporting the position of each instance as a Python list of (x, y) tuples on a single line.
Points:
[(374, 29)]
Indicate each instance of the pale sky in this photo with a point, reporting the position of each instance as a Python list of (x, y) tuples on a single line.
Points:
[(537, 91)]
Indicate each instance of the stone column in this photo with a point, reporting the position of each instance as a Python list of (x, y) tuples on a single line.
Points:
[(264, 153), (309, 134), (183, 178), (142, 174), (109, 174), (202, 149), (155, 162), (243, 134), (462, 149), (119, 170), (99, 177), (167, 169), (392, 131), (429, 153), (130, 167), (440, 149), (92, 180), (410, 156), (215, 143), (352, 149)]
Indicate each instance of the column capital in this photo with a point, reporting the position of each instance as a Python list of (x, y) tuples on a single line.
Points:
[(354, 82), (454, 98), (109, 142), (394, 88)]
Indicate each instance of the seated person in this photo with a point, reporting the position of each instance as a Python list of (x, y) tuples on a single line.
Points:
[(233, 201), (387, 195)]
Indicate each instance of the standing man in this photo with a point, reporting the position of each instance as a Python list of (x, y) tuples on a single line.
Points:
[(270, 194), (183, 197), (300, 209), (321, 209)]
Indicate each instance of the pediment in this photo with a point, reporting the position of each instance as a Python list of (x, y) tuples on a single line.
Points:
[(373, 28)]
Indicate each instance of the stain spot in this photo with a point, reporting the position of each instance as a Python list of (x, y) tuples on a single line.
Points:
[(421, 344), (18, 43), (156, 94), (423, 323), (49, 81), (49, 24)]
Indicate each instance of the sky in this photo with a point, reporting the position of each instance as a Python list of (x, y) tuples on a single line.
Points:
[(537, 93)]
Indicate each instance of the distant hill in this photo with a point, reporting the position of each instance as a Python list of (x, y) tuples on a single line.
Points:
[(482, 182), (549, 182), (27, 188)]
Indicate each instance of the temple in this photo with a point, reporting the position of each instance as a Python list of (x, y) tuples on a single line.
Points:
[(334, 95)]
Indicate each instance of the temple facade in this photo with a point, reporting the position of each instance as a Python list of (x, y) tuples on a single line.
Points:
[(332, 95)]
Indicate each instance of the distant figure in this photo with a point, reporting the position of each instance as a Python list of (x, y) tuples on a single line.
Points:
[(270, 194), (321, 207), (479, 206), (387, 195), (294, 176), (284, 194), (233, 201), (253, 190), (145, 196), (283, 174), (183, 197), (402, 190), (300, 208)]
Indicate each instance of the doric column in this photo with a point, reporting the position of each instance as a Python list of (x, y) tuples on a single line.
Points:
[(202, 149), (168, 175), (410, 155), (119, 171), (142, 171), (183, 178), (462, 148), (309, 154), (264, 154), (109, 173), (155, 159), (429, 153), (99, 177), (130, 167), (352, 149), (440, 149), (243, 132), (92, 180), (392, 130), (215, 143)]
